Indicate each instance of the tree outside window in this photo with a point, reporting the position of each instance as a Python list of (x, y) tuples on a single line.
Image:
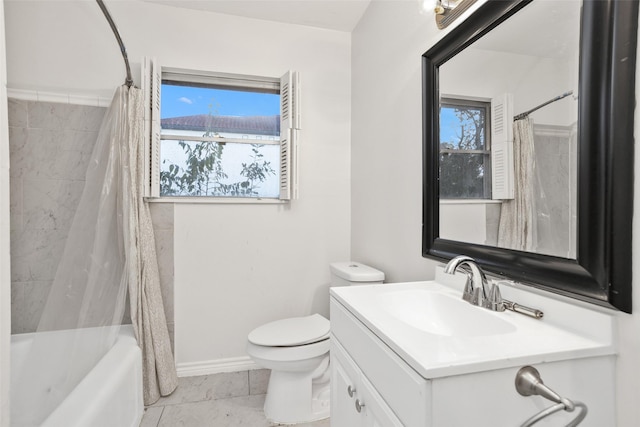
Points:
[(198, 154)]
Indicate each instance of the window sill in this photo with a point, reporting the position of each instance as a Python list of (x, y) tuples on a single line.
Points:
[(469, 201), (216, 200)]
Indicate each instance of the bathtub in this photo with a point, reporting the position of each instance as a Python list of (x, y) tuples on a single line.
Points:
[(110, 395)]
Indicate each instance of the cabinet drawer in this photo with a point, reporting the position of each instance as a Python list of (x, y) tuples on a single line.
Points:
[(345, 383), (404, 391)]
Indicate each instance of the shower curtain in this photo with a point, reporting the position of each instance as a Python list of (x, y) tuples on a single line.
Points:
[(110, 249), (517, 229), (147, 312)]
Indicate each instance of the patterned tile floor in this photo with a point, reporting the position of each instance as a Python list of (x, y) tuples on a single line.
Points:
[(221, 400)]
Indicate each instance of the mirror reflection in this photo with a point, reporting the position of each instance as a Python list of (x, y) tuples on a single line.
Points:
[(508, 134)]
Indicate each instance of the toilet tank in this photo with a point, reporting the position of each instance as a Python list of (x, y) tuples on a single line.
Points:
[(354, 273)]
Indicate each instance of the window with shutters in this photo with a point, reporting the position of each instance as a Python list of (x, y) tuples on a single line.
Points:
[(465, 149), (221, 136)]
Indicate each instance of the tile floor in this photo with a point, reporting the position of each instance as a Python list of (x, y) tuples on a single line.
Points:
[(220, 400)]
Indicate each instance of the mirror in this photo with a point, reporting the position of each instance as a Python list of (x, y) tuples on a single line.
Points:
[(531, 64), (578, 237)]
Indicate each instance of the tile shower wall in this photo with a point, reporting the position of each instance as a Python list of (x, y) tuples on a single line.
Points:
[(162, 218), (50, 146), (556, 154)]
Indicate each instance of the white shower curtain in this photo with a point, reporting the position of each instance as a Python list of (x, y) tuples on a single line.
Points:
[(110, 249), (517, 229), (147, 312)]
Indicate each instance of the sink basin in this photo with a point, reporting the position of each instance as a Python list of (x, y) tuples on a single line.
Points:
[(443, 314), (438, 334)]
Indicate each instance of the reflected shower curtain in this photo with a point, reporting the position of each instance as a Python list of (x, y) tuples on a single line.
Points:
[(517, 229), (110, 248)]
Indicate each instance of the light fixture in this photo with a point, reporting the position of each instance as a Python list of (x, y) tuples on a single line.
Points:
[(448, 10)]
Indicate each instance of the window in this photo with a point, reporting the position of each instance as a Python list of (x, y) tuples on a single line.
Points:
[(221, 136), (465, 149)]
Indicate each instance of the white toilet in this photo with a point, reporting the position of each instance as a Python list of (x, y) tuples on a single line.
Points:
[(297, 352)]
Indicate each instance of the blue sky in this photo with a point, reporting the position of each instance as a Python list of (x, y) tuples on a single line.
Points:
[(449, 124), (187, 101)]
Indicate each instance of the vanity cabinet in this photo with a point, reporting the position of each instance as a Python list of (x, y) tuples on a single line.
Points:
[(354, 400), (393, 394), (374, 383)]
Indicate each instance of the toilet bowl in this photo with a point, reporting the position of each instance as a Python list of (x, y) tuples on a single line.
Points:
[(297, 352)]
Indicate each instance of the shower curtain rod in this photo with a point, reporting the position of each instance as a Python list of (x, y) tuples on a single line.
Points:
[(128, 81), (557, 98)]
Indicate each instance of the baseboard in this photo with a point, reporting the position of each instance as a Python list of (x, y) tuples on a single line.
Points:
[(218, 366)]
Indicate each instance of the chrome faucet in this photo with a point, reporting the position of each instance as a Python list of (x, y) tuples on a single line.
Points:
[(475, 290)]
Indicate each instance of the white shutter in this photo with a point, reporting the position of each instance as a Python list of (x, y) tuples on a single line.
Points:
[(151, 85), (289, 124), (296, 91), (285, 164), (502, 147)]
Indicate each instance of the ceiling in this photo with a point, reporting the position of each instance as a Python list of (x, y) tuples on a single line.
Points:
[(340, 15)]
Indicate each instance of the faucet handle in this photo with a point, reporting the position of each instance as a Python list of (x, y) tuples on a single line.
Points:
[(494, 302)]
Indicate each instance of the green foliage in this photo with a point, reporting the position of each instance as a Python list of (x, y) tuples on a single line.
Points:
[(204, 173)]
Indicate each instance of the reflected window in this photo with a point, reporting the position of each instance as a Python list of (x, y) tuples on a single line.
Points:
[(465, 149)]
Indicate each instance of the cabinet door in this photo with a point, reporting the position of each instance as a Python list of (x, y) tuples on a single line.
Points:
[(354, 401), (376, 412), (343, 390)]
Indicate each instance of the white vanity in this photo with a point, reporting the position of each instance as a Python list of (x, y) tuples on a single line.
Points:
[(416, 355)]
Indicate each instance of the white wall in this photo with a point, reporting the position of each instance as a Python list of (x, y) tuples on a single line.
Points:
[(532, 80), (464, 221), (236, 266), (62, 46), (629, 325), (386, 167), (386, 137), (386, 150), (5, 261)]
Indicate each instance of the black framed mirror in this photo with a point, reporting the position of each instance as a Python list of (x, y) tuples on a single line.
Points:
[(600, 272)]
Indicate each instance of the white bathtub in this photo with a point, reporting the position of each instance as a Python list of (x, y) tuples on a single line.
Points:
[(110, 395)]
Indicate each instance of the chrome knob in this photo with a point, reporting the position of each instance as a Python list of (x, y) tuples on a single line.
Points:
[(351, 391), (359, 405)]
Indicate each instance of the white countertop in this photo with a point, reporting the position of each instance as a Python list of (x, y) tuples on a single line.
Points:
[(585, 333)]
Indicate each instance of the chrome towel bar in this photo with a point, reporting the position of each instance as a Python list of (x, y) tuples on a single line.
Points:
[(529, 383)]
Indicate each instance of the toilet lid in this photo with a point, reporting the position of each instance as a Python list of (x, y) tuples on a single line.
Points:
[(291, 332)]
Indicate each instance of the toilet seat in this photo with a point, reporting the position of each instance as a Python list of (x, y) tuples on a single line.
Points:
[(267, 355), (295, 331)]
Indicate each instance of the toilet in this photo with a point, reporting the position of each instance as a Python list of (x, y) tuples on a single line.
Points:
[(297, 352)]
